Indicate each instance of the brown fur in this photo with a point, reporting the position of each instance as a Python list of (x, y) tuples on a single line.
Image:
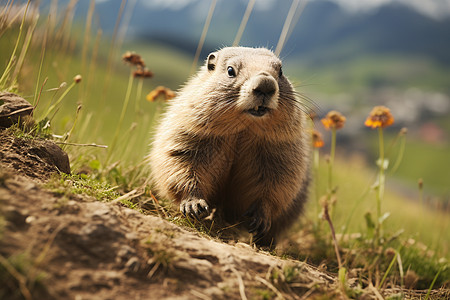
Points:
[(213, 150)]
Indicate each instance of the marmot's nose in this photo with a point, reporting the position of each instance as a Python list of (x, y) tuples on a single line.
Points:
[(265, 87)]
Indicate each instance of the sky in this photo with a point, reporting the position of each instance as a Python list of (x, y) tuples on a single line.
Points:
[(434, 8)]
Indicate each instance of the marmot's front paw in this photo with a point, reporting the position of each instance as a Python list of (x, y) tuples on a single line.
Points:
[(260, 222), (194, 208)]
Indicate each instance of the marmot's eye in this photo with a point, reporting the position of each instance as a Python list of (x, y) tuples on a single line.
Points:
[(231, 72), (280, 73)]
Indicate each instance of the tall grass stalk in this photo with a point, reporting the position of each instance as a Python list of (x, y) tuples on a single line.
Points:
[(87, 35), (5, 16), (331, 160), (244, 21), (69, 134), (40, 93), (389, 269), (93, 63), (8, 68), (66, 28), (402, 136), (316, 161), (24, 51), (51, 108), (286, 26), (43, 48), (86, 43), (138, 95), (433, 282), (122, 116), (112, 52), (203, 36)]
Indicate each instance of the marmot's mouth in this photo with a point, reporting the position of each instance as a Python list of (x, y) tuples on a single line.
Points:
[(258, 111)]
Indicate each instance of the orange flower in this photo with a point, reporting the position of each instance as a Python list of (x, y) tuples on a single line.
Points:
[(144, 73), (380, 116), (133, 59), (160, 91), (317, 139), (333, 119)]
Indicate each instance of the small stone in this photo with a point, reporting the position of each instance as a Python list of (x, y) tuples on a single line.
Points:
[(53, 155), (15, 109), (30, 219)]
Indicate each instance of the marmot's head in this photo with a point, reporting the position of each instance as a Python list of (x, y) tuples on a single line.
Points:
[(256, 73), (244, 86)]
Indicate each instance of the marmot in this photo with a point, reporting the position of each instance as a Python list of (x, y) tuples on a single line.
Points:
[(235, 139)]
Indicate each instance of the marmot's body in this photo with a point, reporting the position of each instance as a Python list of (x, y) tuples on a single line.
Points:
[(235, 139)]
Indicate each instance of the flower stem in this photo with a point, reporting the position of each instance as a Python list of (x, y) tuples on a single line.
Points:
[(381, 181), (138, 95), (316, 180), (330, 164)]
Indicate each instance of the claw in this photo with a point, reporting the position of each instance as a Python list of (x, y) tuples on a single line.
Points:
[(194, 208), (259, 222)]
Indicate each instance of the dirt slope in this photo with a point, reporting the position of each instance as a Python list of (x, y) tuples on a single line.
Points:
[(78, 248), (67, 246)]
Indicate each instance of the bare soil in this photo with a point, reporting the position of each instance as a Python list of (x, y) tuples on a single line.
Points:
[(55, 246)]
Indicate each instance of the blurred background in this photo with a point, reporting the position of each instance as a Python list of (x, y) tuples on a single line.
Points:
[(346, 55)]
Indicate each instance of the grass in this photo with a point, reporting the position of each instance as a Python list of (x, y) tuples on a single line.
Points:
[(89, 110), (66, 185)]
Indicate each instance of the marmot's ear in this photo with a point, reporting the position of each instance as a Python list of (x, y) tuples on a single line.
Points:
[(211, 61)]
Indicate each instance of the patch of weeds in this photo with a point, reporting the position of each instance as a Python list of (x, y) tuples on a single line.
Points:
[(264, 294), (290, 273), (63, 184), (130, 204), (20, 278), (27, 129)]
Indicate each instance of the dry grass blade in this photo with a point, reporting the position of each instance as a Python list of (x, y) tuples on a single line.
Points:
[(130, 195), (245, 18), (200, 295), (241, 283), (270, 286), (286, 26), (19, 277), (203, 36)]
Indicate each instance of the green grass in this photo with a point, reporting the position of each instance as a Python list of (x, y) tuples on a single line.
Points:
[(354, 180), (66, 185)]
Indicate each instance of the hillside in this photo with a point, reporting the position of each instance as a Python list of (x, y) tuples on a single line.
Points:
[(60, 242)]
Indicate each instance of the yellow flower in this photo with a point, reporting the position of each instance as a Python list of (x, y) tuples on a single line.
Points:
[(380, 116), (160, 91), (317, 139), (333, 119)]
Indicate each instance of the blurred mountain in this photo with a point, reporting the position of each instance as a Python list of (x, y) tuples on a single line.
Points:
[(324, 31)]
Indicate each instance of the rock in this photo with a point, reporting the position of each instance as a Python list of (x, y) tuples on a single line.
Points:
[(14, 109), (53, 155)]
